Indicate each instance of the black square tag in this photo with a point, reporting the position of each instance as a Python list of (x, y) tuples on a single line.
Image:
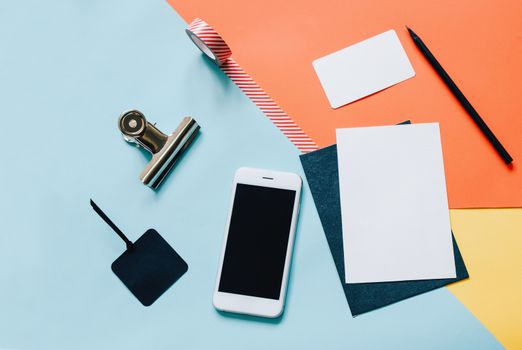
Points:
[(150, 267)]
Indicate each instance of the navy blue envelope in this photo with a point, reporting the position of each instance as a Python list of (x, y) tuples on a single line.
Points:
[(322, 174)]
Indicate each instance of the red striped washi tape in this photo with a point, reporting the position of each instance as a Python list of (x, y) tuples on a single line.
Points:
[(212, 45)]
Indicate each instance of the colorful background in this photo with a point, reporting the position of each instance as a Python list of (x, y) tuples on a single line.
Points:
[(478, 42), (67, 70)]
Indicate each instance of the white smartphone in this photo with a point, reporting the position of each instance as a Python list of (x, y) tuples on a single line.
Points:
[(258, 244)]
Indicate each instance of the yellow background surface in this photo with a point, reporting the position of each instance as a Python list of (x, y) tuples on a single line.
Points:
[(491, 243)]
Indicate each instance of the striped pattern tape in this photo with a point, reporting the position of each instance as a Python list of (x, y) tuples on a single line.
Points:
[(211, 43)]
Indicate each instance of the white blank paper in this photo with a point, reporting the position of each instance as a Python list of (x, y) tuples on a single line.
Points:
[(363, 68), (394, 205)]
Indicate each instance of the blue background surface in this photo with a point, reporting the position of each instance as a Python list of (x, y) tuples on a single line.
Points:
[(67, 70)]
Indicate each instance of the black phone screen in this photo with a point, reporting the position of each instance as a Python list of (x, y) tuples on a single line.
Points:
[(257, 241)]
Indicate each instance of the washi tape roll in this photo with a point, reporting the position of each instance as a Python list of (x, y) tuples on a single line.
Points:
[(212, 45)]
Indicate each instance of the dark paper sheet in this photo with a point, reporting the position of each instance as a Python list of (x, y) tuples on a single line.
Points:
[(322, 174)]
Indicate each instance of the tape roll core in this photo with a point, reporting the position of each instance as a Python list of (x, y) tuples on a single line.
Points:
[(202, 46), (208, 41)]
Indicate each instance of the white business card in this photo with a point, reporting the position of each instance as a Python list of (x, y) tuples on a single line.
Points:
[(363, 68)]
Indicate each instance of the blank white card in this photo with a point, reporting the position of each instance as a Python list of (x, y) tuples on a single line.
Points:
[(394, 205), (363, 68)]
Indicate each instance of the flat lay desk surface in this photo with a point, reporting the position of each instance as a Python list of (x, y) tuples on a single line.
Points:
[(67, 70)]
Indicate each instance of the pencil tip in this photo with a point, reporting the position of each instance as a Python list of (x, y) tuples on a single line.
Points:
[(412, 33)]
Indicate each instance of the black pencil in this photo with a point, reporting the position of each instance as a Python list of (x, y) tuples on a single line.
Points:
[(460, 96)]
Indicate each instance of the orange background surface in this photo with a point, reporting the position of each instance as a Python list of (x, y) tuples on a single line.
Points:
[(479, 43)]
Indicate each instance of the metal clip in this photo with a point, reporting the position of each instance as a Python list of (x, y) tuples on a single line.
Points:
[(165, 149)]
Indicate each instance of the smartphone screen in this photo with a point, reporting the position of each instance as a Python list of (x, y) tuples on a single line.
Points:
[(257, 241)]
